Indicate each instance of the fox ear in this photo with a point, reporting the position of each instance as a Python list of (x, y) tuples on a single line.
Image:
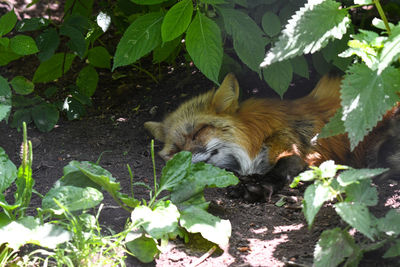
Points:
[(156, 129), (226, 97)]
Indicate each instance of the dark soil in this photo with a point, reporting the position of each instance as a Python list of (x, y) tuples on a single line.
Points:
[(263, 234)]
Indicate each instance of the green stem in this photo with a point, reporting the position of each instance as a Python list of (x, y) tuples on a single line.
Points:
[(383, 16)]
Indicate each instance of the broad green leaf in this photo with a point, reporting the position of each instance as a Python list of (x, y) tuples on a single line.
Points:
[(143, 248), (23, 45), (47, 43), (30, 230), (53, 68), (176, 20), (271, 24), (204, 45), (362, 192), (7, 55), (213, 2), (390, 224), (391, 50), (333, 247), (148, 2), (175, 170), (20, 116), (76, 178), (335, 125), (7, 22), (366, 97), (351, 176), (83, 8), (248, 39), (300, 66), (158, 222), (22, 85), (142, 36), (4, 41), (8, 171), (309, 30), (164, 51), (87, 81), (45, 116), (128, 200), (99, 57), (278, 76), (314, 196), (72, 198), (5, 99), (393, 251), (357, 216), (32, 24), (77, 40), (212, 228)]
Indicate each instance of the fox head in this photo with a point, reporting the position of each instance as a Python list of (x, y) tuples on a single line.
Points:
[(206, 125)]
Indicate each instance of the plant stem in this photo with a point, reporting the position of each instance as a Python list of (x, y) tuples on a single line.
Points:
[(383, 16), (154, 166)]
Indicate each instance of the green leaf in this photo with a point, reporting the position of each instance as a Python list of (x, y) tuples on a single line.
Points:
[(335, 125), (20, 116), (309, 30), (393, 251), (7, 55), (248, 39), (143, 248), (204, 45), (351, 176), (278, 76), (53, 68), (7, 22), (391, 50), (163, 51), (78, 7), (160, 221), (99, 57), (357, 216), (5, 99), (271, 24), (390, 224), (314, 196), (76, 178), (176, 20), (30, 230), (300, 66), (333, 247), (47, 43), (45, 116), (32, 24), (142, 36), (362, 192), (87, 81), (148, 2), (23, 45), (72, 198), (175, 170), (22, 86), (8, 171), (366, 97), (4, 42), (77, 40), (212, 228)]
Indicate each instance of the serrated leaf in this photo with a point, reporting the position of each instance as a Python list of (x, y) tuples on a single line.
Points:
[(278, 76), (271, 24), (362, 192), (22, 85), (77, 40), (7, 22), (204, 45), (390, 224), (23, 45), (87, 81), (335, 125), (309, 30), (53, 68), (314, 196), (357, 216), (142, 36), (45, 116), (242, 29), (72, 198), (176, 20), (47, 43), (143, 248), (351, 176), (8, 171), (391, 50), (5, 99), (300, 66), (32, 24), (99, 57), (212, 228), (333, 247), (366, 96)]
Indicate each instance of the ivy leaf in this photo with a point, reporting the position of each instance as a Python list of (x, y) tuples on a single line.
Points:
[(243, 29), (176, 20), (391, 50), (7, 22), (204, 45), (45, 116), (142, 36), (22, 85), (309, 30), (23, 45), (5, 98), (47, 43), (87, 81), (99, 57), (278, 76), (53, 68), (366, 97)]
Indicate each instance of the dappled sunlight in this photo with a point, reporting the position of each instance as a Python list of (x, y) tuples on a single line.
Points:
[(287, 228), (265, 249)]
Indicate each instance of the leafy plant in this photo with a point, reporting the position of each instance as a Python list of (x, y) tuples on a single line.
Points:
[(354, 193)]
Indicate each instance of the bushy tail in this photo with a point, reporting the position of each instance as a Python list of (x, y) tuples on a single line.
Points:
[(327, 88)]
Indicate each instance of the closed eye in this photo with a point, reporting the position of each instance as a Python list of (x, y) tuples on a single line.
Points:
[(196, 134)]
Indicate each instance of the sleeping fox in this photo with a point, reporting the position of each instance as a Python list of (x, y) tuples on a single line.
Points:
[(264, 141)]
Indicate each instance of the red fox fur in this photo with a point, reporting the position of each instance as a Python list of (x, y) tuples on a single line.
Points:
[(251, 137)]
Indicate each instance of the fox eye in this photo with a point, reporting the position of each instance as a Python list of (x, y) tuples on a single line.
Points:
[(196, 134)]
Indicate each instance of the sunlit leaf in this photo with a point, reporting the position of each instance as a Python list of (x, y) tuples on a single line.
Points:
[(176, 20)]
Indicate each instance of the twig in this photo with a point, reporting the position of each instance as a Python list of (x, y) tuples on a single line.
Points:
[(204, 257)]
